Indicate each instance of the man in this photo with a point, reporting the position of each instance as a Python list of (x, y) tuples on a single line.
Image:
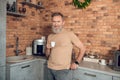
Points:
[(59, 50)]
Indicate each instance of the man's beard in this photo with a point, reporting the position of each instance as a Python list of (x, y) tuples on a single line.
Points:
[(56, 30)]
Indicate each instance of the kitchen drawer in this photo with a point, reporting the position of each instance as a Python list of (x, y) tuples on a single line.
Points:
[(81, 74)]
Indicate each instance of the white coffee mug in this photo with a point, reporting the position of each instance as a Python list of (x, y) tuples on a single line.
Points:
[(102, 62), (52, 44)]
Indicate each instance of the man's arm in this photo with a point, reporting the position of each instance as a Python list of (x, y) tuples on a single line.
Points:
[(75, 40), (78, 59), (47, 52), (81, 52), (48, 48)]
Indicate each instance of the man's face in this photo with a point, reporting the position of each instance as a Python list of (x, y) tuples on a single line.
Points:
[(57, 24)]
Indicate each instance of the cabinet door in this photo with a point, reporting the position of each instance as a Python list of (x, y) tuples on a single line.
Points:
[(43, 70), (34, 72), (2, 73), (116, 78), (25, 71), (18, 72), (77, 75), (90, 75)]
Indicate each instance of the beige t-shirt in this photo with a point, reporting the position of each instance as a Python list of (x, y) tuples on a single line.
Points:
[(60, 56)]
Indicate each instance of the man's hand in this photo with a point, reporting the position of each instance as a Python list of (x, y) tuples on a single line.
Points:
[(73, 66)]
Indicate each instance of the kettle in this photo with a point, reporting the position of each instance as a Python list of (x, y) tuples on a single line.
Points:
[(39, 47)]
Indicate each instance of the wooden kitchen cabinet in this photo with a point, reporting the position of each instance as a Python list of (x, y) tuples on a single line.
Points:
[(81, 74), (24, 71)]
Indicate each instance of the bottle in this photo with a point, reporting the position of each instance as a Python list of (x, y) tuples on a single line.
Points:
[(20, 10), (39, 3), (8, 6), (13, 7), (28, 50), (23, 10)]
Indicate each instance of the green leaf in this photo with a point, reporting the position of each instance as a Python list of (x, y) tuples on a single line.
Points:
[(81, 5)]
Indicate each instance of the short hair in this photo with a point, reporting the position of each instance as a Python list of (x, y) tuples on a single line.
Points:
[(57, 14)]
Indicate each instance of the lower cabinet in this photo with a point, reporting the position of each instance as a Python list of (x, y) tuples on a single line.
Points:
[(43, 70), (81, 74), (24, 71), (116, 78), (2, 73), (37, 70)]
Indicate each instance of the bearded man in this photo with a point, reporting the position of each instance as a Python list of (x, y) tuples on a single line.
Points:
[(59, 50)]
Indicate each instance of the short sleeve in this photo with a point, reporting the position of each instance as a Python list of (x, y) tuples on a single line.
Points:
[(75, 40)]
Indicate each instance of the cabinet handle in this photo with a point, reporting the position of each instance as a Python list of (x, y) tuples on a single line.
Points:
[(25, 66), (90, 74)]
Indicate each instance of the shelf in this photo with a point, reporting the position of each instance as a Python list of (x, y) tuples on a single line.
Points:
[(32, 5), (15, 14)]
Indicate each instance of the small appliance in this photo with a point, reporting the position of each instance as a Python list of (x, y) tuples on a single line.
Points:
[(116, 60), (39, 47)]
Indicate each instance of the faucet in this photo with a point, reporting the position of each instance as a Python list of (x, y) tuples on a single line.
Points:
[(17, 51)]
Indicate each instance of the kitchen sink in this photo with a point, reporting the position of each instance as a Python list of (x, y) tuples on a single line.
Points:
[(19, 58)]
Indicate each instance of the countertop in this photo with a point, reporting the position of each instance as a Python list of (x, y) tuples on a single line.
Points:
[(91, 66), (43, 58)]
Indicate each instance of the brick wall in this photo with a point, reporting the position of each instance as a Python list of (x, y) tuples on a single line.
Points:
[(97, 26)]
